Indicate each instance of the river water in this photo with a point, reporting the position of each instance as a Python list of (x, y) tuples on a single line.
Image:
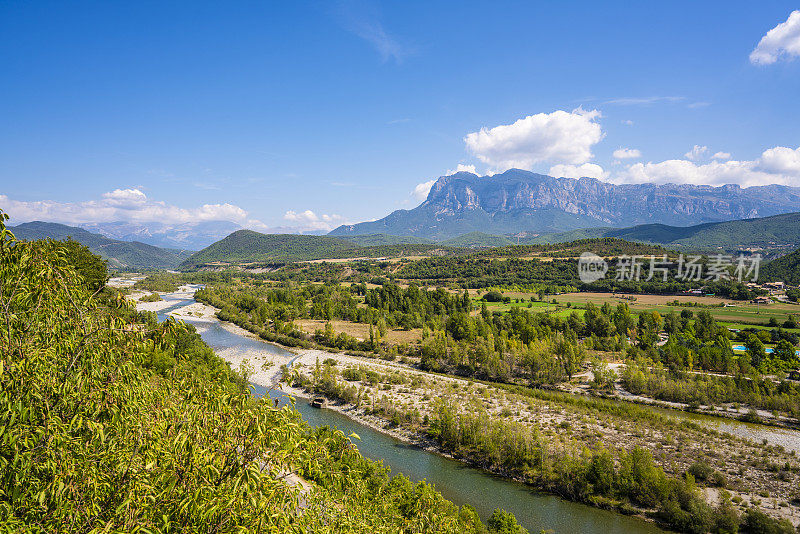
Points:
[(466, 485)]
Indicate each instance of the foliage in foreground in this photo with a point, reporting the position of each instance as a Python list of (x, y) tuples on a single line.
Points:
[(111, 422)]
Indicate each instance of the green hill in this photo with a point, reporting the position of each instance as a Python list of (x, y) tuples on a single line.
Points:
[(479, 239), (772, 234), (373, 240), (786, 269), (120, 254), (249, 246)]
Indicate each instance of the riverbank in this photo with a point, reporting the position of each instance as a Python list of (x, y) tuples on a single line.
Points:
[(397, 399), (741, 414), (750, 474)]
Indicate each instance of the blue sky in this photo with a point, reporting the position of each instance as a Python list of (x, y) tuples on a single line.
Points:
[(309, 114)]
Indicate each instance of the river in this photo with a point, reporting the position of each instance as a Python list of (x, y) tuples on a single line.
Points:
[(466, 485)]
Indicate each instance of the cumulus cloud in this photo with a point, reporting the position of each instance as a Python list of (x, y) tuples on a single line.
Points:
[(462, 168), (781, 160), (126, 205), (697, 153), (627, 153), (558, 137), (308, 220), (781, 42), (778, 165), (721, 155), (587, 170), (421, 191), (131, 198)]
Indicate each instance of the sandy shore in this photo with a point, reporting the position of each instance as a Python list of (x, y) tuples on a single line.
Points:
[(123, 282), (264, 366)]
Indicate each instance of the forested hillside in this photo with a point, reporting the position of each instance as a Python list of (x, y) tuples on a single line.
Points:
[(771, 233), (120, 254), (250, 246), (785, 269), (479, 239), (247, 246), (112, 422), (384, 239)]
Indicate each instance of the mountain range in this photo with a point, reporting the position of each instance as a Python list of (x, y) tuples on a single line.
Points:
[(120, 254), (189, 236), (521, 201), (771, 236)]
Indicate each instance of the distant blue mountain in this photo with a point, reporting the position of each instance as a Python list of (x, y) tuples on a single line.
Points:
[(120, 254)]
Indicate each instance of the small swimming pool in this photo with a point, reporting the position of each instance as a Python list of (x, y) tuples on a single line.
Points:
[(768, 350)]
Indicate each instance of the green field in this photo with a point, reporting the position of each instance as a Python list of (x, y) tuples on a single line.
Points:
[(740, 314)]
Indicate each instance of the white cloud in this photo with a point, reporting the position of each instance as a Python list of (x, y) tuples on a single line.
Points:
[(645, 100), (557, 137), (125, 198), (627, 153), (781, 160), (697, 153), (627, 122), (363, 20), (461, 168), (778, 165), (421, 191), (782, 41), (308, 220), (588, 170), (721, 155), (127, 205)]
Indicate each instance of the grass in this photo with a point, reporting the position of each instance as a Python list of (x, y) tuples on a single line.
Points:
[(359, 330)]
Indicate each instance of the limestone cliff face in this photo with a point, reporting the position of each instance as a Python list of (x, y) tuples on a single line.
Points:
[(623, 205), (524, 201)]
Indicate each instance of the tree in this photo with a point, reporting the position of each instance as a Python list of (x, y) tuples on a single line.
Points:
[(87, 265), (672, 323), (493, 296), (623, 319), (503, 522), (460, 326), (785, 352), (755, 349), (469, 519), (601, 474), (648, 329), (758, 522)]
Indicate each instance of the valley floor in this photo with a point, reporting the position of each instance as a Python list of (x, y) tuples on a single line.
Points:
[(400, 400)]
